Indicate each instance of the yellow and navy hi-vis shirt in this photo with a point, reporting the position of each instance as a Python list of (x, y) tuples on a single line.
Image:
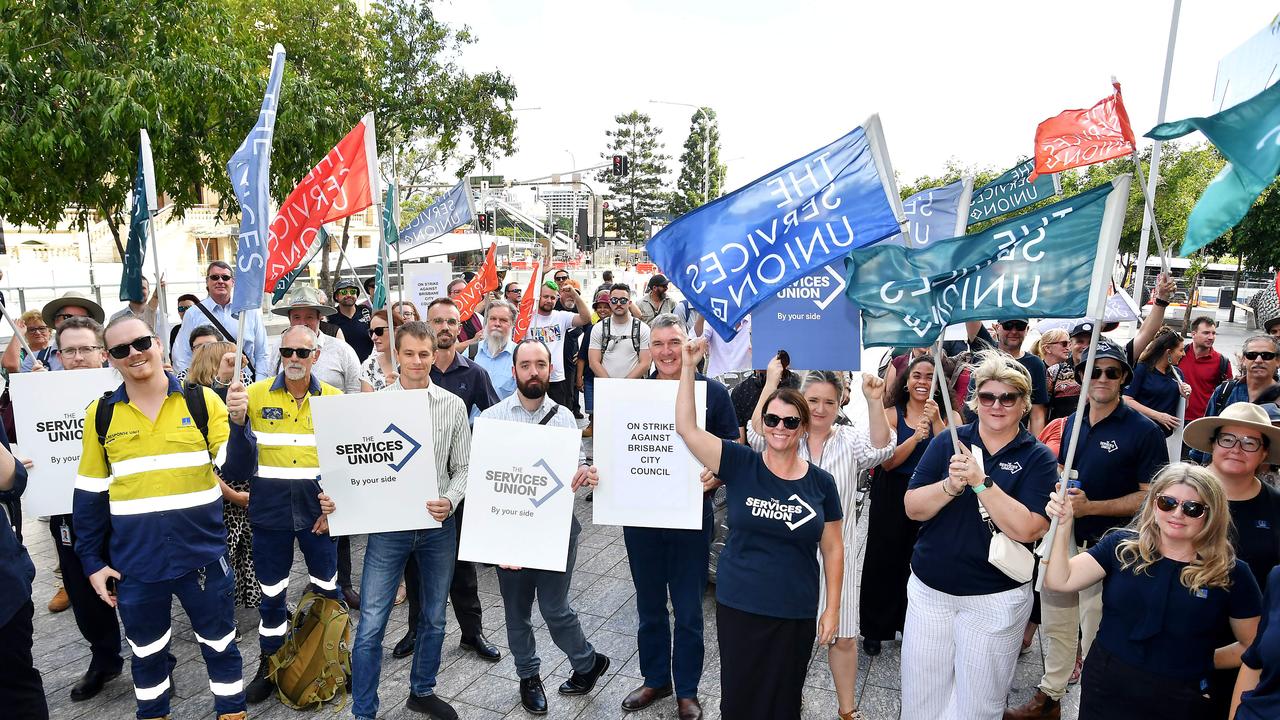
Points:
[(153, 487), (285, 486)]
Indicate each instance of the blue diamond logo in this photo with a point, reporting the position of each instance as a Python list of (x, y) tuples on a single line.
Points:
[(414, 443)]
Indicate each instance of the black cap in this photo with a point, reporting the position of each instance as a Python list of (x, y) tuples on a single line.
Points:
[(345, 283), (1012, 319), (1266, 327), (1106, 350), (1082, 328), (658, 280)]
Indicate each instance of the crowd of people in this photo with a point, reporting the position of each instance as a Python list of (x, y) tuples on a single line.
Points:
[(199, 484)]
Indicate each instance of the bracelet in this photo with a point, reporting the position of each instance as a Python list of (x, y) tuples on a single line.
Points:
[(1161, 302), (948, 492)]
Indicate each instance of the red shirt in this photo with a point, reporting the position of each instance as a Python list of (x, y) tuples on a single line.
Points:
[(1203, 375)]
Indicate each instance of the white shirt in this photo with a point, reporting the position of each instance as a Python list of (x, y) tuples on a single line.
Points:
[(620, 358), (728, 356), (551, 329)]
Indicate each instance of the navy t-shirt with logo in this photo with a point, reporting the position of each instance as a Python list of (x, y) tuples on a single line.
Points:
[(951, 548), (1263, 702), (770, 561)]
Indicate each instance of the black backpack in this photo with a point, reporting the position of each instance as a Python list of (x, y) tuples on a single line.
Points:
[(192, 394)]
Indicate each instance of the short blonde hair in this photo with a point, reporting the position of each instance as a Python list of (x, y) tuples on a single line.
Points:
[(995, 366)]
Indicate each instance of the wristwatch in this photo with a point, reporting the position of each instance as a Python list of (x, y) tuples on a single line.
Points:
[(986, 483)]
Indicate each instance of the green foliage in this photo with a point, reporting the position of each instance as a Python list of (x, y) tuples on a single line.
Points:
[(640, 193), (703, 143)]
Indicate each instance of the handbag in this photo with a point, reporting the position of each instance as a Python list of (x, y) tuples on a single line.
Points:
[(1006, 554)]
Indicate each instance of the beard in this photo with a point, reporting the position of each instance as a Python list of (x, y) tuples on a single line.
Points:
[(495, 342), (444, 340), (533, 388), (292, 372)]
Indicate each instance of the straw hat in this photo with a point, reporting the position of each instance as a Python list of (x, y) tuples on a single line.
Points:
[(1199, 434), (304, 297), (53, 307)]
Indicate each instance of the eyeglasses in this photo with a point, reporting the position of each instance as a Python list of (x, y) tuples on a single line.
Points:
[(514, 291), (445, 321), (34, 329), (562, 278), (1247, 444), (302, 353), (62, 316), (1255, 354), (1013, 325), (1190, 508), (619, 301), (378, 331), (1063, 343), (223, 278), (121, 352), (78, 351), (1112, 373), (987, 399), (790, 422)]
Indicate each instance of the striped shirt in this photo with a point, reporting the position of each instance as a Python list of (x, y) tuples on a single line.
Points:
[(451, 438), (512, 411)]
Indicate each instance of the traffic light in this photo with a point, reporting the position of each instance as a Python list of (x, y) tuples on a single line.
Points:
[(621, 165), (484, 222)]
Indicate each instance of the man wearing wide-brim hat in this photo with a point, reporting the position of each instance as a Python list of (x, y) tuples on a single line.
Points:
[(70, 304), (338, 364)]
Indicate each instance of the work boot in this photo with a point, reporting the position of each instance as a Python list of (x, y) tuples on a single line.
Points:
[(1039, 707), (260, 687), (242, 715), (60, 601)]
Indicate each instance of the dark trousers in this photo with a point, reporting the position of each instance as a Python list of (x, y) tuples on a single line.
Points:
[(344, 561), (272, 563), (563, 392), (96, 619), (464, 591), (1111, 689), (674, 562), (21, 692), (763, 662), (891, 537)]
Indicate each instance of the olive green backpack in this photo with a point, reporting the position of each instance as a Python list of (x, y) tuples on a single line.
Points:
[(313, 665)]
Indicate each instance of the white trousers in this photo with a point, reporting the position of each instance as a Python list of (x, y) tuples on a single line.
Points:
[(959, 652)]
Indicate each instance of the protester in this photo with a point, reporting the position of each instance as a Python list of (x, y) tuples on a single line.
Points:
[(726, 356), (655, 302), (1259, 361), (512, 293), (337, 365), (1203, 367), (1272, 327), (453, 370), (767, 581), (433, 549), (965, 616), (619, 345), (1157, 382), (185, 302), (406, 309), (38, 337), (668, 562), (844, 451), (573, 337), (55, 312), (21, 689), (494, 352), (469, 331), (532, 403), (1053, 347), (379, 369), (1118, 452), (1170, 581), (1009, 335), (915, 414), (370, 289), (164, 521), (145, 309), (1241, 440), (352, 318), (552, 326), (1257, 691), (215, 309), (586, 379)]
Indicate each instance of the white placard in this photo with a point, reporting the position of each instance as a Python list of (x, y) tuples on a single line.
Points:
[(648, 477), (425, 282), (48, 415), (377, 460), (520, 500)]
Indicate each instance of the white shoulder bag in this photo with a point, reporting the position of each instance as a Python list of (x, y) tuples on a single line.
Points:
[(1008, 555)]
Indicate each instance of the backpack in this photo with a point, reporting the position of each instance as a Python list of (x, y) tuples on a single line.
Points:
[(1224, 391), (192, 394), (314, 663), (606, 330)]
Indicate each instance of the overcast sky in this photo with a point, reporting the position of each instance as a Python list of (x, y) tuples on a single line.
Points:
[(949, 79)]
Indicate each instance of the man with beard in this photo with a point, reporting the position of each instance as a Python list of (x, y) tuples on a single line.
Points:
[(453, 371), (494, 353), (1260, 358), (531, 403), (216, 310), (352, 318), (656, 301), (619, 344), (287, 503), (551, 326)]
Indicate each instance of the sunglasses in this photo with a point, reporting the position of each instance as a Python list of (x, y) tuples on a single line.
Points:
[(183, 308), (562, 278), (62, 316), (121, 352), (790, 422), (987, 399), (514, 291), (1255, 354), (1014, 325), (1112, 373), (223, 278), (1190, 508), (619, 301), (346, 291), (378, 331), (1247, 444), (302, 353)]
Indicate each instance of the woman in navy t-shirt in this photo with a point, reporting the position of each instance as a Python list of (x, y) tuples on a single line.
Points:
[(1257, 695), (965, 617), (1157, 382), (783, 511), (1169, 581)]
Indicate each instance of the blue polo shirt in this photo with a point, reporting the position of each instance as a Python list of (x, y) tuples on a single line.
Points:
[(1114, 457), (1150, 620), (1263, 702), (951, 549), (1156, 390), (770, 561), (16, 569), (469, 382)]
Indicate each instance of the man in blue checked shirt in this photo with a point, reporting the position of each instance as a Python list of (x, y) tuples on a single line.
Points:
[(220, 281)]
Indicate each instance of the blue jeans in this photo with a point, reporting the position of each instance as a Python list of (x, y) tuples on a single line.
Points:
[(589, 393), (384, 560)]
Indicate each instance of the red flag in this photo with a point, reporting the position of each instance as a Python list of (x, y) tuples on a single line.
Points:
[(528, 304), (484, 281), (342, 184), (1075, 138)]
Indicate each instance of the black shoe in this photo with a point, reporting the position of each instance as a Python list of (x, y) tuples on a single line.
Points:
[(260, 687), (481, 646), (404, 648), (91, 684), (870, 647), (532, 696), (351, 596), (583, 683), (431, 705)]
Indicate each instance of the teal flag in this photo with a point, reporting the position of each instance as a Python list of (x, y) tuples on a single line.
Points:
[(1248, 136), (286, 281), (1037, 265), (390, 236), (136, 249), (1011, 191)]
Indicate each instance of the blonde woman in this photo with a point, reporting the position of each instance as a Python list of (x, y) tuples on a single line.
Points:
[(1169, 581), (214, 367), (965, 617), (1054, 348)]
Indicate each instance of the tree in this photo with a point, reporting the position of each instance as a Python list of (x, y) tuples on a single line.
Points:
[(639, 194), (701, 173)]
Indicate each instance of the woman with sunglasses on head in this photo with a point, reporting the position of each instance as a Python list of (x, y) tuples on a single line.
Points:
[(965, 616), (379, 369), (1241, 441), (1157, 382), (845, 451), (1053, 347), (1170, 580), (783, 512)]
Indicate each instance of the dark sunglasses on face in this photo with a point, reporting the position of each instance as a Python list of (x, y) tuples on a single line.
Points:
[(121, 352), (514, 291), (183, 308), (1112, 373), (619, 301), (1247, 444), (302, 353), (1190, 508), (987, 399), (1014, 325), (562, 278), (223, 278), (62, 316), (378, 331), (790, 422), (1255, 354)]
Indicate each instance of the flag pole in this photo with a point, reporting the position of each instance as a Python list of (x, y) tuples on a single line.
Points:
[(16, 334), (1149, 215), (164, 303), (386, 282)]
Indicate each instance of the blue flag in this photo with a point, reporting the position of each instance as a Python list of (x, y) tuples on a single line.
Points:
[(1011, 191), (934, 214), (390, 236), (135, 251), (1054, 262), (449, 211), (250, 171), (731, 254)]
